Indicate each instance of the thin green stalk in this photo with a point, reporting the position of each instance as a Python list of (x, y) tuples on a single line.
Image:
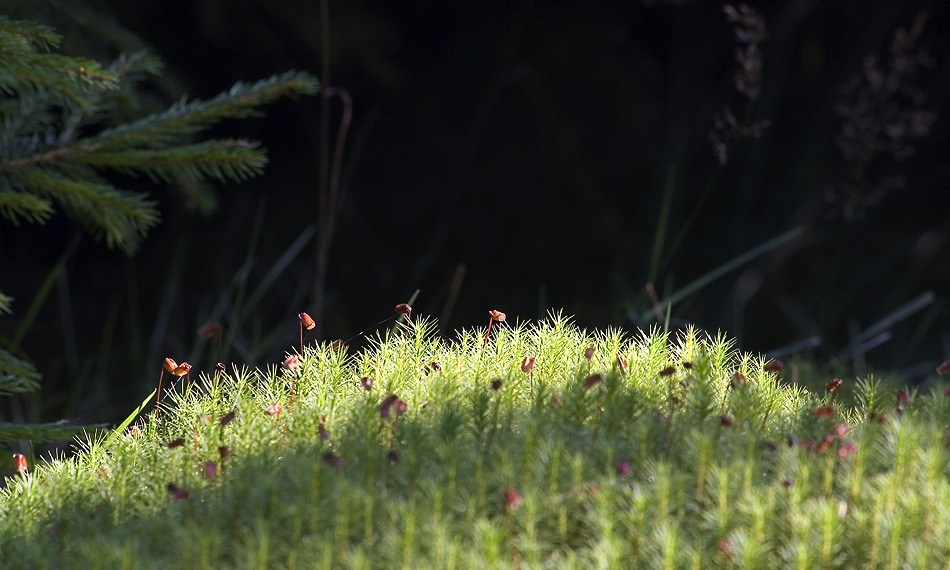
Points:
[(28, 318), (730, 265), (662, 221)]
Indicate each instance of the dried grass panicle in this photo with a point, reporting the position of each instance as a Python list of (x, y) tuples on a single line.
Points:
[(882, 112), (750, 32)]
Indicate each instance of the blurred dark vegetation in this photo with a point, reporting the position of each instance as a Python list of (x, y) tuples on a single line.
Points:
[(530, 144)]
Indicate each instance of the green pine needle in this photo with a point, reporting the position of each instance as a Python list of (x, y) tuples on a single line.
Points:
[(16, 376), (223, 160), (16, 206), (186, 118), (40, 432), (120, 218)]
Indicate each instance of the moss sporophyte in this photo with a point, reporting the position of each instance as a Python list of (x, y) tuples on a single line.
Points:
[(528, 445)]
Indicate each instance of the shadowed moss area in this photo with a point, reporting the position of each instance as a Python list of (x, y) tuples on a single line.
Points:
[(602, 451)]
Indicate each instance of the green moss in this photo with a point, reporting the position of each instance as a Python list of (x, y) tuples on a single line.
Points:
[(642, 466)]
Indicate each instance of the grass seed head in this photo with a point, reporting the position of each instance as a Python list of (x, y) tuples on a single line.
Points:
[(593, 380), (823, 411), (841, 430), (512, 499), (19, 461), (306, 321), (176, 493), (621, 363), (847, 449), (386, 404), (291, 362), (209, 330)]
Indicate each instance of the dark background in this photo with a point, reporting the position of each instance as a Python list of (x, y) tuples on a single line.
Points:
[(531, 143)]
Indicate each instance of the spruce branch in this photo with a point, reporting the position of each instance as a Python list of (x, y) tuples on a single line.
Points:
[(44, 156), (20, 33), (40, 432), (184, 119), (230, 159), (5, 303), (15, 206), (27, 66), (58, 136), (16, 376), (136, 65), (54, 71), (120, 218)]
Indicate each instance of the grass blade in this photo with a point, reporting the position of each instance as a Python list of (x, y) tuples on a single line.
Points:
[(120, 429), (725, 268)]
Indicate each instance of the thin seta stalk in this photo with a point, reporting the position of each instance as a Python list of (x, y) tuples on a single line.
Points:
[(174, 368), (493, 317), (496, 385)]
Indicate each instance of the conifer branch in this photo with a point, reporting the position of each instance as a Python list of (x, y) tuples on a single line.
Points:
[(15, 206), (28, 67), (184, 118), (16, 376), (121, 218), (220, 159), (22, 34), (57, 138), (40, 432)]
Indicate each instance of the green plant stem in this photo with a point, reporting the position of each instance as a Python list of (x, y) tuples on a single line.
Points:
[(29, 318)]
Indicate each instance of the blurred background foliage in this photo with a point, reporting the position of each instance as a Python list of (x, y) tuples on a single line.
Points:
[(520, 156)]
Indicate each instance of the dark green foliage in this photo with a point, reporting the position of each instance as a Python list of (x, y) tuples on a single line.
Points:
[(63, 138), (56, 150)]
